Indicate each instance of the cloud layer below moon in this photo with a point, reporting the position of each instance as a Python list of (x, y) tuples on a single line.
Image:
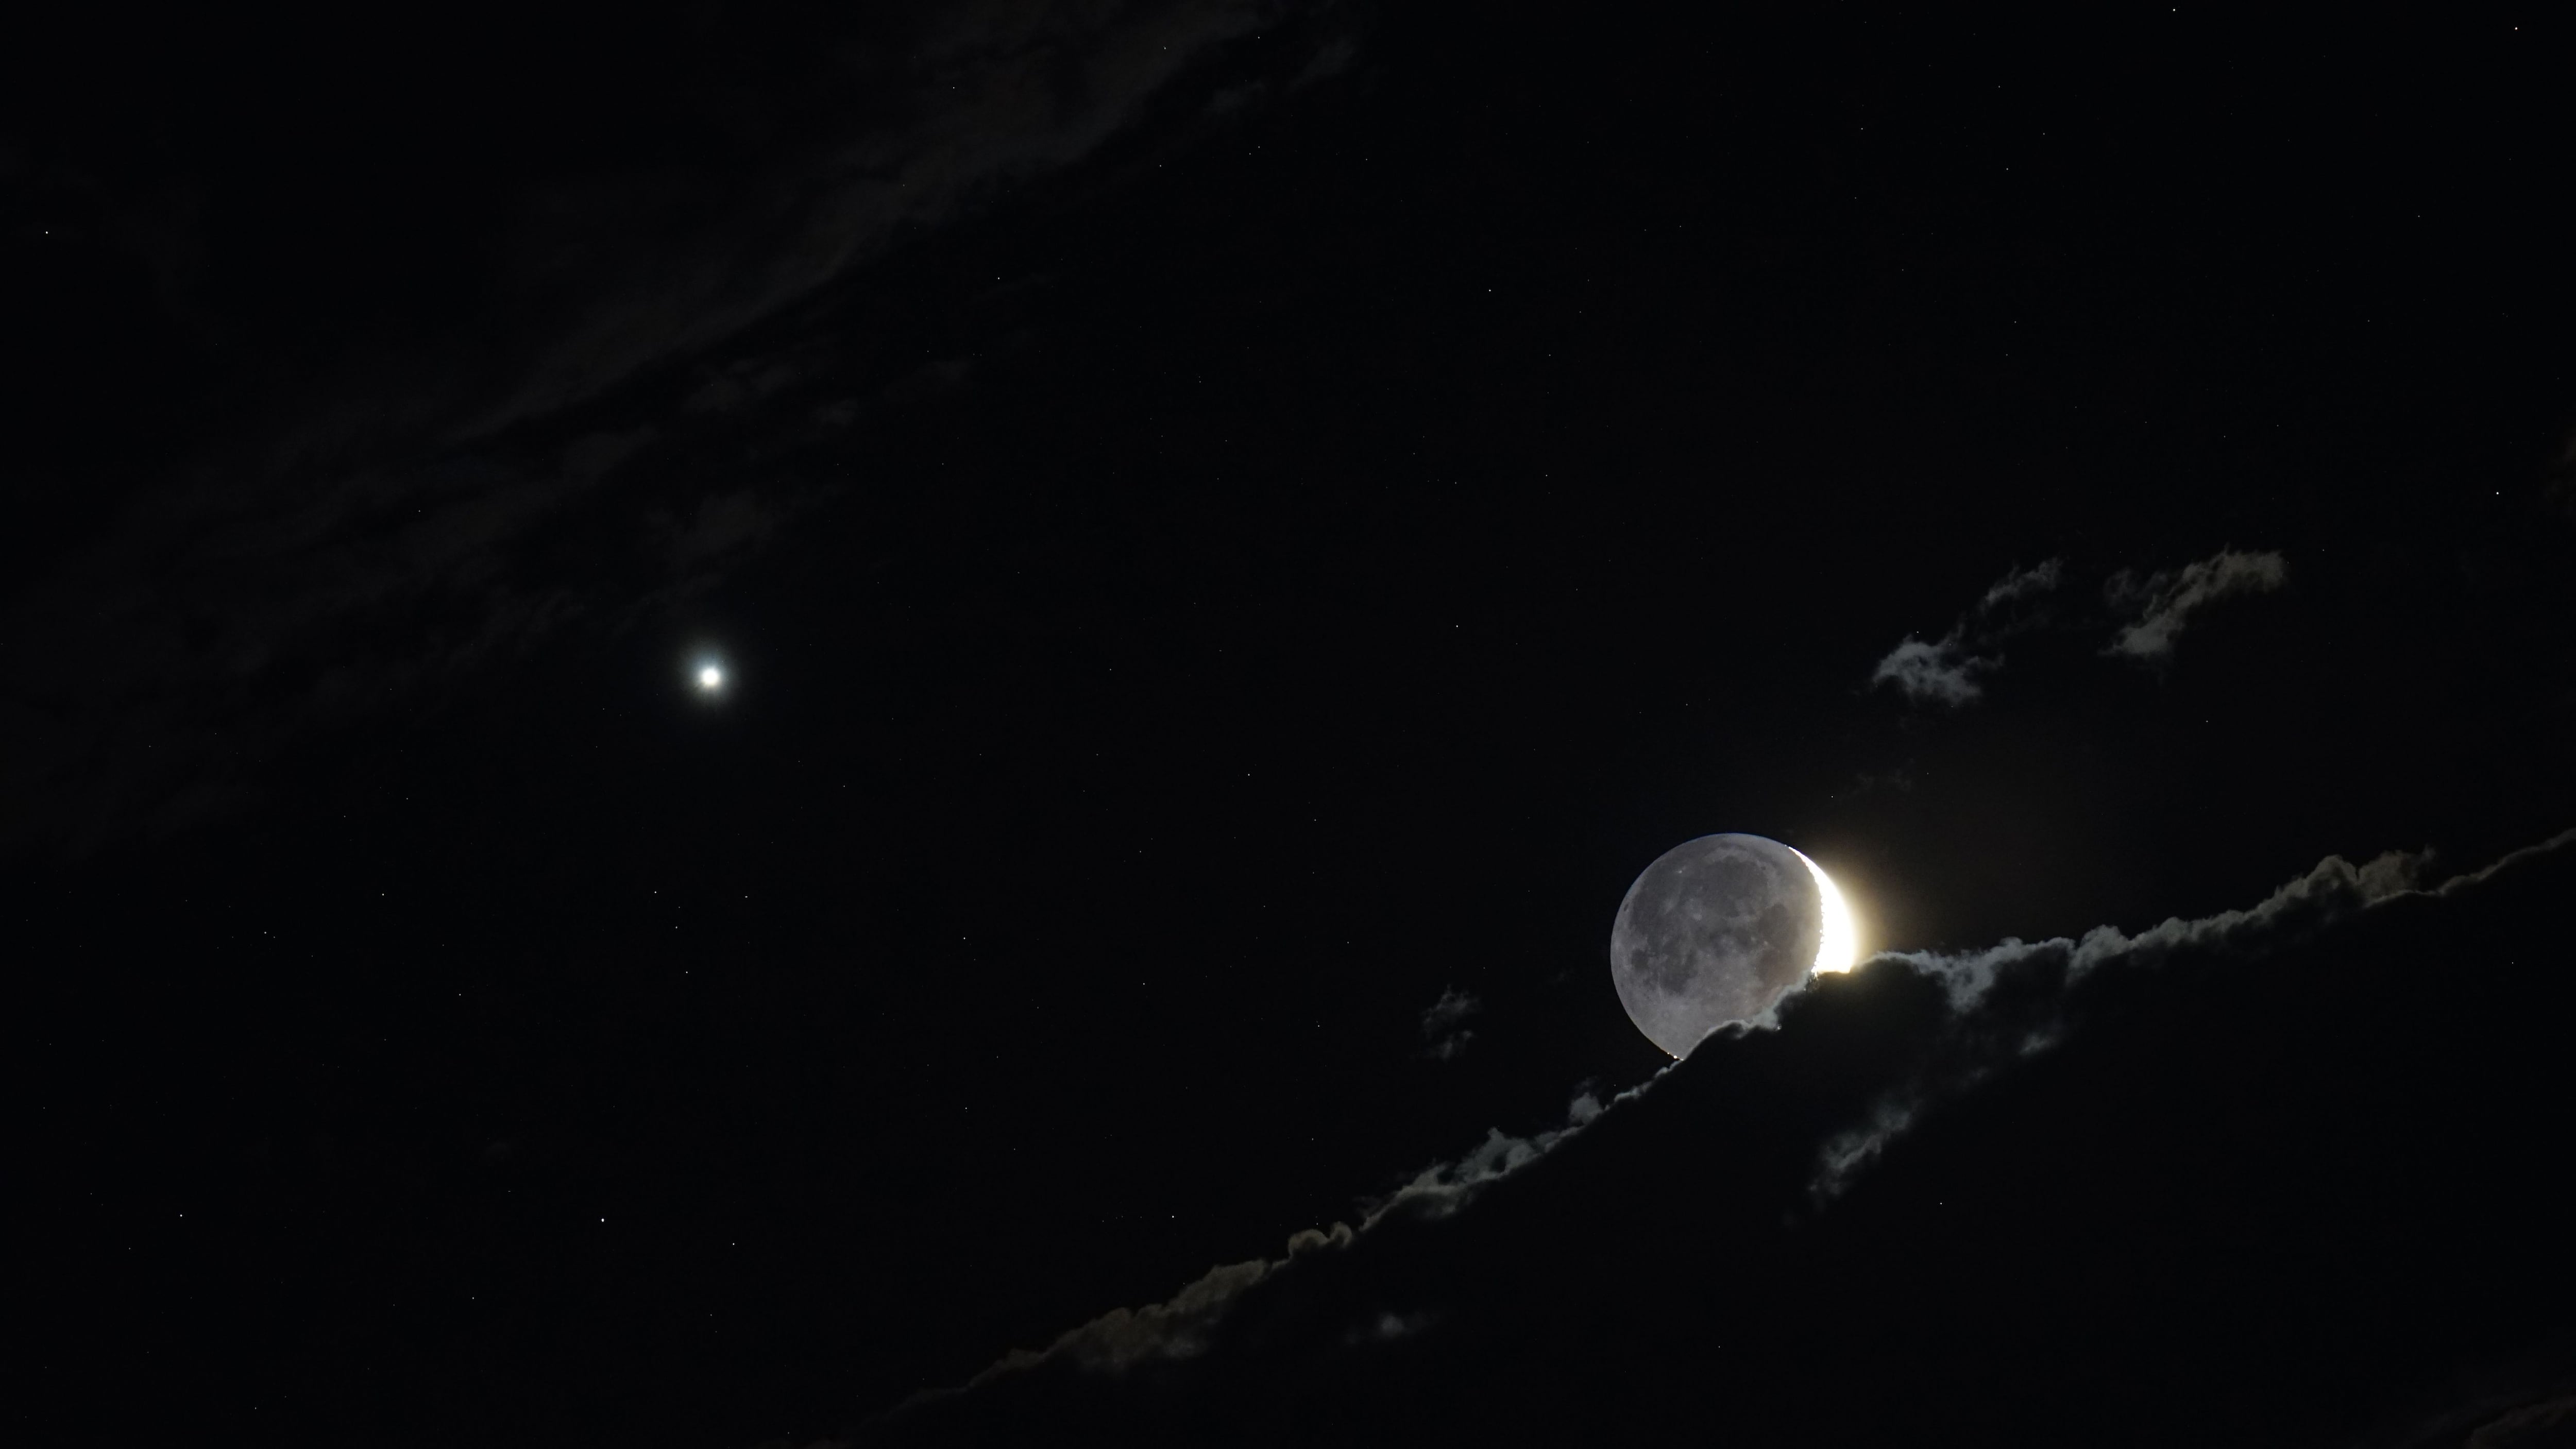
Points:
[(1792, 1120)]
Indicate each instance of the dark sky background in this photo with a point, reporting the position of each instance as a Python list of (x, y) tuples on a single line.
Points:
[(1235, 531)]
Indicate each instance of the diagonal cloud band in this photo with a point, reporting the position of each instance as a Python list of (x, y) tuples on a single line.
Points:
[(1998, 1006)]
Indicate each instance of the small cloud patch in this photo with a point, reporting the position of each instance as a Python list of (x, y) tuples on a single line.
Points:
[(2162, 602), (1444, 1023), (1947, 671)]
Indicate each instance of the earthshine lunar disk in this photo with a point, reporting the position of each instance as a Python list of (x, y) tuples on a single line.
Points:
[(1718, 929)]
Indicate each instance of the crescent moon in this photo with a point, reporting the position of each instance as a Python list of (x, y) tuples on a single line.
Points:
[(1838, 947)]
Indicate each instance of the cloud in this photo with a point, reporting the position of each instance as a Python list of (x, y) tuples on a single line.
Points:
[(997, 93), (1984, 1040), (1185, 1325), (2039, 578), (2162, 602), (1448, 1185), (363, 531), (158, 670), (1946, 671), (1444, 1023), (1952, 671), (1124, 1339), (2532, 1426), (1937, 672), (596, 264), (1880, 1053)]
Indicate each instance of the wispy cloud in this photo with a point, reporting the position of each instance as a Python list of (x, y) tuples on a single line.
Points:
[(1447, 1185), (2162, 602), (1184, 1325), (2149, 612), (374, 529), (1948, 670), (1983, 1040), (2017, 584), (1444, 1023), (1938, 671)]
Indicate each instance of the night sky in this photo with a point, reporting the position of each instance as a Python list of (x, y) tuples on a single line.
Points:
[(1233, 532)]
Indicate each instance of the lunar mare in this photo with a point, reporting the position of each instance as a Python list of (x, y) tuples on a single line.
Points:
[(1715, 931)]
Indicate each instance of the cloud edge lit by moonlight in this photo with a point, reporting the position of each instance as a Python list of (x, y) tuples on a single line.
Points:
[(1969, 1051)]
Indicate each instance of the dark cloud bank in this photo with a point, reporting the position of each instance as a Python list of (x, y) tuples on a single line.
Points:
[(2276, 1175)]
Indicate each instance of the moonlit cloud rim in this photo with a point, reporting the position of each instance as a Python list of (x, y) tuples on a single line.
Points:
[(1838, 948)]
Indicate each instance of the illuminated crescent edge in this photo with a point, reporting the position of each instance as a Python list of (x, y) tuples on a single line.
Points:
[(1838, 947)]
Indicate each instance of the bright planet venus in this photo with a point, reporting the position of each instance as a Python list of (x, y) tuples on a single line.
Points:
[(1718, 929)]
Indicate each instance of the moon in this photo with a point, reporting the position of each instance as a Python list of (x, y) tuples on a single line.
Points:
[(1840, 948), (1719, 928)]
